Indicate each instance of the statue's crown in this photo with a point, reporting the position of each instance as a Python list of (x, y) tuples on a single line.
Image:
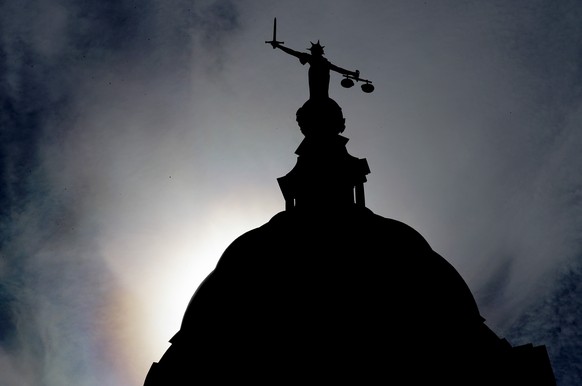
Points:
[(316, 47)]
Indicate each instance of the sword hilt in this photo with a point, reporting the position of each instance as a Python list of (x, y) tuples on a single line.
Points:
[(274, 42)]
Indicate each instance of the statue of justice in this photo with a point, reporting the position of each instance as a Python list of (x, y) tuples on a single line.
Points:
[(319, 68)]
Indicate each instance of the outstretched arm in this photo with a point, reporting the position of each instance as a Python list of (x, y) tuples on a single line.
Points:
[(343, 71), (300, 55)]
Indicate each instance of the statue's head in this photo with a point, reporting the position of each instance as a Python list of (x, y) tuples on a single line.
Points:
[(316, 49)]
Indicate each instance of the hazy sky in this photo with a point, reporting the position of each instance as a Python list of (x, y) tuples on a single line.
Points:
[(139, 138)]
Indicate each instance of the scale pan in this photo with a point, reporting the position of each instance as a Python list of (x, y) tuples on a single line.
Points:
[(368, 88), (347, 83)]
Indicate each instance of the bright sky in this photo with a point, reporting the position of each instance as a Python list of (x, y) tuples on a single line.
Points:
[(141, 138)]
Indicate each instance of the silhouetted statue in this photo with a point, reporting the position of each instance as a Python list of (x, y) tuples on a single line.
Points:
[(328, 292), (319, 68)]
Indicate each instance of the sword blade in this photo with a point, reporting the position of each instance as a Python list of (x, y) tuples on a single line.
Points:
[(275, 30)]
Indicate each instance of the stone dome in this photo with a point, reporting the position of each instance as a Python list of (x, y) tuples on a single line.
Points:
[(333, 296)]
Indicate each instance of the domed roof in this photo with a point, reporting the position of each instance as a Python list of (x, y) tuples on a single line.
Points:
[(318, 291)]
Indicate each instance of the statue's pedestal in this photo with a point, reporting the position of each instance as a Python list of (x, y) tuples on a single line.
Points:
[(325, 175)]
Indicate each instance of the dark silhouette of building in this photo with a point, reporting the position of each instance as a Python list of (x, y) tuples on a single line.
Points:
[(328, 291)]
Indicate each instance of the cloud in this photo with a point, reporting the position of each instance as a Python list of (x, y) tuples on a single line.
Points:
[(142, 133), (554, 322), (92, 95)]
